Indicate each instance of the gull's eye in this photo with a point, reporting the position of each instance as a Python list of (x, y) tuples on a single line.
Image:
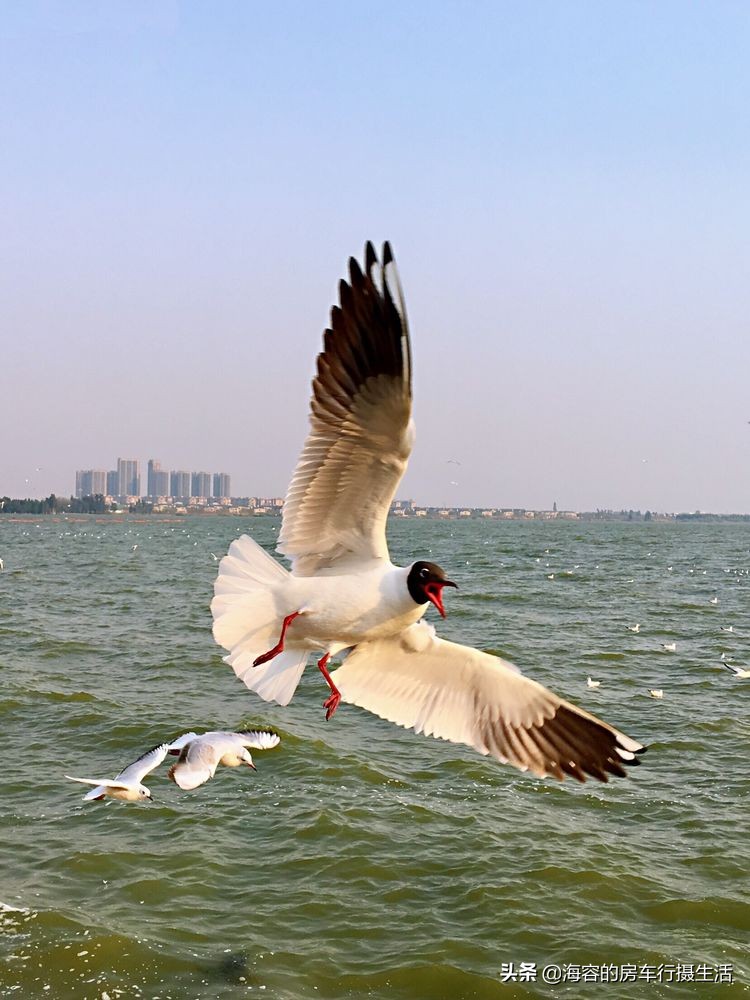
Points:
[(424, 572)]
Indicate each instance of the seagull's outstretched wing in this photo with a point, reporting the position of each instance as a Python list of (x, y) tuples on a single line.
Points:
[(258, 739), (135, 773), (182, 741), (98, 782), (361, 432), (442, 689)]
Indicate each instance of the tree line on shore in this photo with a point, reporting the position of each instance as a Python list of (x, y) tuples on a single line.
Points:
[(55, 505)]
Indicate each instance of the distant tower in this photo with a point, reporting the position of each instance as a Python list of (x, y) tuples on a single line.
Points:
[(200, 485), (221, 485), (179, 485), (554, 506), (112, 483), (89, 482), (128, 477), (154, 466)]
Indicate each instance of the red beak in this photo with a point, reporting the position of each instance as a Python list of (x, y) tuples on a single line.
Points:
[(434, 592)]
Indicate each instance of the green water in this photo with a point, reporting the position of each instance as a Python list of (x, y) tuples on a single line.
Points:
[(363, 861)]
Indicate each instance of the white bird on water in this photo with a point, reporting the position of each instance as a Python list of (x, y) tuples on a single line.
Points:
[(199, 756), (729, 628), (127, 784), (590, 682), (634, 628), (669, 647), (742, 672), (714, 600), (344, 593), (656, 693)]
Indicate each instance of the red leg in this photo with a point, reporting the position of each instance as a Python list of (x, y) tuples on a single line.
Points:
[(332, 703), (279, 647)]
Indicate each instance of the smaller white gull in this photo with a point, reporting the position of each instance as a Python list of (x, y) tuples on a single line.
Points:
[(199, 756), (656, 693), (669, 647), (127, 784), (729, 628), (742, 672), (714, 600), (590, 682), (634, 628)]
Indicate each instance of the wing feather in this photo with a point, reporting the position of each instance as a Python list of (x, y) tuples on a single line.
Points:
[(135, 773), (460, 694), (361, 432)]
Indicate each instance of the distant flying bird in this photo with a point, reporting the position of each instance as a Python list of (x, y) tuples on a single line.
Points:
[(669, 647), (199, 756), (127, 784), (741, 672), (634, 628), (344, 593), (656, 693), (592, 683)]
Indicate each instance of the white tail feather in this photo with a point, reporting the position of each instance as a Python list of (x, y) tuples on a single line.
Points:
[(248, 610), (95, 793), (275, 680), (245, 605)]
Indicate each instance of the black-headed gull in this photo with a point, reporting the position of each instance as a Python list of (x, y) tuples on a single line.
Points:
[(127, 784), (343, 591), (199, 756)]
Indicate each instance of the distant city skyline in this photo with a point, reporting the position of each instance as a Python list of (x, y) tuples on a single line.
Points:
[(564, 187), (125, 481)]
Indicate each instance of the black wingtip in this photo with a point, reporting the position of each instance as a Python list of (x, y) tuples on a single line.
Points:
[(355, 273), (371, 258), (387, 254)]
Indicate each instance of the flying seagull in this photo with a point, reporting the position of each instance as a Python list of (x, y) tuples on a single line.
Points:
[(199, 756), (127, 784), (742, 672), (343, 591)]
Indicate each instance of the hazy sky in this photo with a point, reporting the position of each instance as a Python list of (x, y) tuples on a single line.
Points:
[(566, 186)]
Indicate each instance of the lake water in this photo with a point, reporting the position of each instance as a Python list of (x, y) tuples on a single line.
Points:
[(361, 860)]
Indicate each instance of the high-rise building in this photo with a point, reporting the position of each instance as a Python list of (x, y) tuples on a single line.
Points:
[(179, 485), (158, 479), (200, 484), (221, 485), (89, 482), (128, 477), (154, 466), (112, 483)]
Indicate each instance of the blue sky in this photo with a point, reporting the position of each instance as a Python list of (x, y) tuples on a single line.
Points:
[(565, 186)]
